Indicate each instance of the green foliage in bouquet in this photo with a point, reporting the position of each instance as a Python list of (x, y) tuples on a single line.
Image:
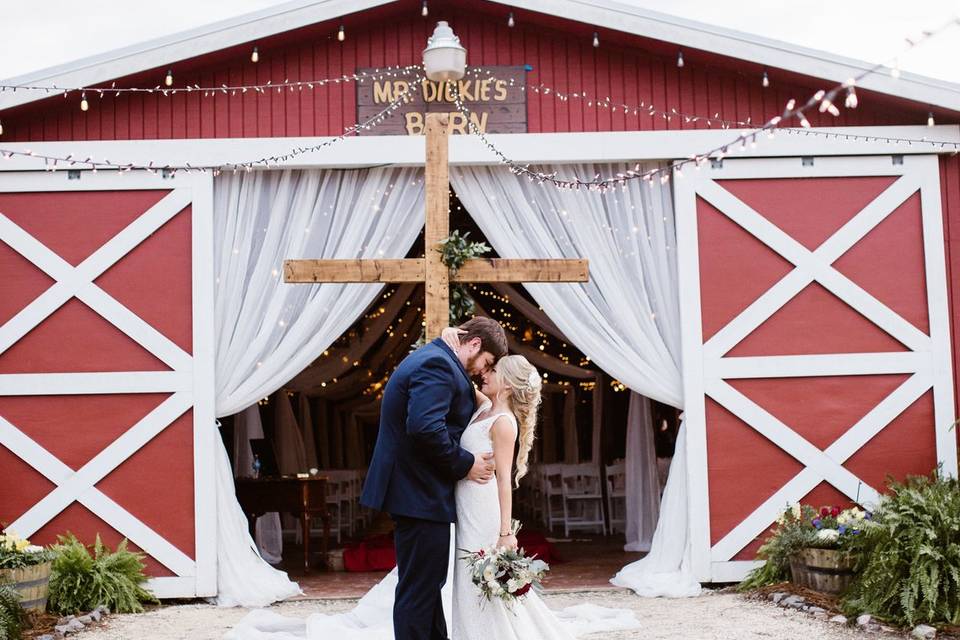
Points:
[(910, 557), (11, 614), (791, 533), (81, 580)]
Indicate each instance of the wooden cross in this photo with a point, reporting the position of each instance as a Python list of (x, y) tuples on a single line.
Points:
[(431, 270)]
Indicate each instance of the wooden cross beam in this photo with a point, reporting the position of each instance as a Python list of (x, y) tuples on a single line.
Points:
[(431, 270)]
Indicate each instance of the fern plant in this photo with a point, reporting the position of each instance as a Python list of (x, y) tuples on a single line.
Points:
[(84, 578), (11, 614), (910, 558)]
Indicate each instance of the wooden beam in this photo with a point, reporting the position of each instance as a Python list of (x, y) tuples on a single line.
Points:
[(518, 270), (437, 307), (409, 270)]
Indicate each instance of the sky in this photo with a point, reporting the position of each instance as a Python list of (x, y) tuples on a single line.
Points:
[(873, 31)]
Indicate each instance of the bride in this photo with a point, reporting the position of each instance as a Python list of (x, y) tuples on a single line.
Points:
[(507, 412)]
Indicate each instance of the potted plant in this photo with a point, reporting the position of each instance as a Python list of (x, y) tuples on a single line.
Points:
[(27, 568), (825, 563)]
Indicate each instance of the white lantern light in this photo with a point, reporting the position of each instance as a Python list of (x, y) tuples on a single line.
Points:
[(444, 58)]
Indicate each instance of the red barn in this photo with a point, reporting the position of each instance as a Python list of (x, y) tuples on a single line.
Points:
[(815, 271)]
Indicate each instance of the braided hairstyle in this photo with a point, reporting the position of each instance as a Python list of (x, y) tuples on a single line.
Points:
[(523, 380)]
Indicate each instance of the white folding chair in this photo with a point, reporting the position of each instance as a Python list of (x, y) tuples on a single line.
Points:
[(553, 507), (582, 498), (616, 497)]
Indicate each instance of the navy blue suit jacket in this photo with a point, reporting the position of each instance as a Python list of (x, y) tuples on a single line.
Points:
[(417, 460)]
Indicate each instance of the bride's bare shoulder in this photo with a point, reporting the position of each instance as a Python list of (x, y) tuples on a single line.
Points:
[(504, 426)]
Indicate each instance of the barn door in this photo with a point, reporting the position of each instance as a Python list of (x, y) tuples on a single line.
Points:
[(106, 366), (816, 345)]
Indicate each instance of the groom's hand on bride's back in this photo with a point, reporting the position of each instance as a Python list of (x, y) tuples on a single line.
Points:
[(482, 469)]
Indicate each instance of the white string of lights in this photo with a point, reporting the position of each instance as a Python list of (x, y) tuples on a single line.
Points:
[(822, 99), (70, 161), (168, 90), (401, 98)]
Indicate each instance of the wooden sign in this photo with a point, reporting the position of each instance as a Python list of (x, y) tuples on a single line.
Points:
[(493, 95)]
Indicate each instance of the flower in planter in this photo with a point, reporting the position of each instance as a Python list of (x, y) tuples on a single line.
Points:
[(828, 535), (17, 552)]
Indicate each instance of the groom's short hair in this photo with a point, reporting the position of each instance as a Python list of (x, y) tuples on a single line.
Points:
[(491, 334)]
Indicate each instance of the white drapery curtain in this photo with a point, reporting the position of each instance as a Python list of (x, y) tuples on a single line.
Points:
[(268, 331), (626, 318), (643, 499)]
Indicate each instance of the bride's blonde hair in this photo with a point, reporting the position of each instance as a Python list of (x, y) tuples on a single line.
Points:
[(525, 384)]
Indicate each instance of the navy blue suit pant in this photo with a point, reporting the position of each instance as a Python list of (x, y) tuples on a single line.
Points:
[(423, 552)]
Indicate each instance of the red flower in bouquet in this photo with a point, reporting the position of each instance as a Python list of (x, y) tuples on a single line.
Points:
[(824, 512), (835, 511)]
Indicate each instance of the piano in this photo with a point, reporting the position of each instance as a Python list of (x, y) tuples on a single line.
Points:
[(305, 497)]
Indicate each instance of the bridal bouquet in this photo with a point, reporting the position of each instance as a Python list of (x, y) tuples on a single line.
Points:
[(505, 574)]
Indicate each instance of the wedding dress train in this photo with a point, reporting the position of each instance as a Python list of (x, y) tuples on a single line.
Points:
[(473, 618)]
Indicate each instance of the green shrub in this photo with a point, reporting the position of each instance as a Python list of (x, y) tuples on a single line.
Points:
[(11, 614), (910, 558), (81, 580)]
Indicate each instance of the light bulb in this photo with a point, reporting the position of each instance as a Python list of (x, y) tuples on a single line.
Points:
[(169, 79), (766, 80), (930, 121), (341, 34), (596, 39), (510, 20), (803, 120), (83, 102), (424, 11), (1, 128), (851, 102), (680, 59), (255, 56)]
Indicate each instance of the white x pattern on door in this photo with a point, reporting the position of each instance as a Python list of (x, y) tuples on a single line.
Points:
[(706, 368), (190, 382)]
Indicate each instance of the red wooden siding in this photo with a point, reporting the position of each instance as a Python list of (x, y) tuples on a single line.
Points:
[(624, 68), (950, 190)]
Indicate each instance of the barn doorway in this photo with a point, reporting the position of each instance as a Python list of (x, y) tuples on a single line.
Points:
[(326, 418)]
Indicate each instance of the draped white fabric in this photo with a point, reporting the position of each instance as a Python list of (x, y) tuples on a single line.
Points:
[(626, 318), (267, 531), (268, 331), (643, 499)]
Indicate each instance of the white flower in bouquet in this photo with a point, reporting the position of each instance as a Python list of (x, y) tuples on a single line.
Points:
[(512, 585), (33, 549), (828, 535), (489, 572)]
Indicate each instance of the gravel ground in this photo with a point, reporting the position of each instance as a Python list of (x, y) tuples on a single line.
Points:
[(714, 616)]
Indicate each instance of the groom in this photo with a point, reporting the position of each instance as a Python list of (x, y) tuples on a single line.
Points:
[(417, 461)]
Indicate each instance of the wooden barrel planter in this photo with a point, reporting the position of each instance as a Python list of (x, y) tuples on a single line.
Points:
[(32, 583), (824, 570)]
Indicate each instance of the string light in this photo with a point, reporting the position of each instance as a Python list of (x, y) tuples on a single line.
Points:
[(341, 34), (1, 128), (596, 39), (680, 59), (766, 79), (114, 91), (424, 11), (930, 121), (510, 20), (84, 105), (255, 56), (168, 79), (601, 183), (851, 101)]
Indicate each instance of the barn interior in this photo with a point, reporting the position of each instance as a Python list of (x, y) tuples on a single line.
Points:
[(573, 502)]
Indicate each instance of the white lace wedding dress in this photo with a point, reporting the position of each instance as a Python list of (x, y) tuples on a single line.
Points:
[(473, 618)]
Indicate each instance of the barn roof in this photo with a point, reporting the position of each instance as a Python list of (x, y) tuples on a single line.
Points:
[(608, 14)]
